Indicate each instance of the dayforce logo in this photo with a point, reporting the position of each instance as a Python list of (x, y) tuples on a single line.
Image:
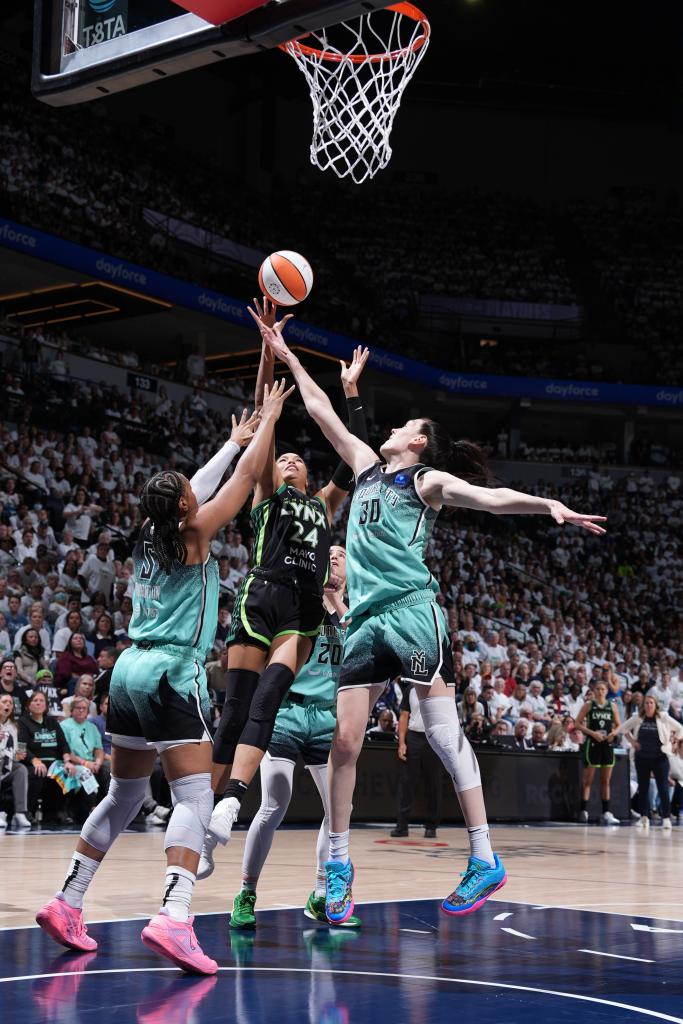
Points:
[(218, 305), (386, 361), (306, 333), (670, 397), (20, 237), (120, 272), (463, 383), (572, 391)]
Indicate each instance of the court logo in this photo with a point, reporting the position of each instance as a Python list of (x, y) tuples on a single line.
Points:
[(418, 663)]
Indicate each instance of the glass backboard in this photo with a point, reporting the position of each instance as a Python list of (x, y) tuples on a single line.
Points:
[(85, 49)]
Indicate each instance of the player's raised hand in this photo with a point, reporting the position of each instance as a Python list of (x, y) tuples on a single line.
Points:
[(272, 337), (351, 373), (243, 431), (274, 398), (561, 514), (266, 311)]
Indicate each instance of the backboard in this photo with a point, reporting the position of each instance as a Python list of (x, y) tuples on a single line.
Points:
[(85, 49)]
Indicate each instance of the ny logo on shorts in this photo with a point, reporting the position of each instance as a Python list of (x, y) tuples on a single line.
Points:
[(418, 663)]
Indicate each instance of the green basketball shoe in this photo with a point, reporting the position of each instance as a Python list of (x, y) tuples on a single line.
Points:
[(243, 917), (315, 909)]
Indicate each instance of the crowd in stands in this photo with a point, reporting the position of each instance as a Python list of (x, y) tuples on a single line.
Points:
[(469, 244), (537, 613)]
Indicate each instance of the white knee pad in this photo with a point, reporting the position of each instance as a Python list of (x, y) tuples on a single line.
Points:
[(114, 813), (445, 736), (192, 807)]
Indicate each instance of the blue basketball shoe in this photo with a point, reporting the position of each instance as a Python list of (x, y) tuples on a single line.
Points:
[(478, 883), (338, 898)]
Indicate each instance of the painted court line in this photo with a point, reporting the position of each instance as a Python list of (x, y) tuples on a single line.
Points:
[(503, 917), (372, 974), (415, 931), (521, 935), (617, 956)]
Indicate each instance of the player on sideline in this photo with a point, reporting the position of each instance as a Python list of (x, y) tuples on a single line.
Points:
[(597, 719), (397, 628), (278, 608), (159, 700), (304, 725)]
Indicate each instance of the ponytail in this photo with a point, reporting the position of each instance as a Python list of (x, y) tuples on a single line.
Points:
[(159, 502), (461, 458)]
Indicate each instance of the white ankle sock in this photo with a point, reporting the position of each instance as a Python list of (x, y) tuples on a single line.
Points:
[(320, 883), (339, 846), (178, 895), (480, 844), (81, 872)]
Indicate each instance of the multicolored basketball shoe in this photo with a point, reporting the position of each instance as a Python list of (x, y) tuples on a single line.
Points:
[(243, 917), (65, 924), (478, 883), (315, 909), (177, 941), (339, 898)]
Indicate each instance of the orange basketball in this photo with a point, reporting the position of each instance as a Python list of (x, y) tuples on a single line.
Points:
[(285, 277)]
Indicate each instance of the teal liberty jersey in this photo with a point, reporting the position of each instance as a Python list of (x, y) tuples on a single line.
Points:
[(176, 608), (389, 527), (319, 676)]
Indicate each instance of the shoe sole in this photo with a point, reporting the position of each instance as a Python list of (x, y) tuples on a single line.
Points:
[(206, 874), (475, 906), (330, 924), (341, 920), (44, 919), (150, 940)]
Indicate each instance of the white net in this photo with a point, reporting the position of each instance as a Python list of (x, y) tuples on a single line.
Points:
[(356, 73)]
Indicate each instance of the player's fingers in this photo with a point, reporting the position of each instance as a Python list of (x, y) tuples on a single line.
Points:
[(234, 422)]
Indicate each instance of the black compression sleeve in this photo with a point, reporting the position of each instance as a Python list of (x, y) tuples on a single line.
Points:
[(343, 475)]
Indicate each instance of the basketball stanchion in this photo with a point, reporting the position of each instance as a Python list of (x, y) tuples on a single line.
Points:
[(356, 73)]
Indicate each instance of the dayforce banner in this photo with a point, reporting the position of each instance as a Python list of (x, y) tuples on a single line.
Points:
[(181, 293)]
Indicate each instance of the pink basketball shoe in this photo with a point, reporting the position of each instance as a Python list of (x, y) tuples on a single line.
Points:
[(65, 924), (177, 941)]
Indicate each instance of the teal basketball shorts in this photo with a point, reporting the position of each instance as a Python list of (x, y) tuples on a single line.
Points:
[(305, 729), (158, 696), (406, 638)]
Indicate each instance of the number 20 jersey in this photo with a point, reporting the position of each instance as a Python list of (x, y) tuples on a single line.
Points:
[(291, 540), (320, 675), (389, 528)]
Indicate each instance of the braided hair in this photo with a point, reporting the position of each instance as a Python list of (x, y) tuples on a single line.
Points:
[(159, 502), (464, 459)]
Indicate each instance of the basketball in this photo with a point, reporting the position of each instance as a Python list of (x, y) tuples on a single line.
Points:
[(285, 277)]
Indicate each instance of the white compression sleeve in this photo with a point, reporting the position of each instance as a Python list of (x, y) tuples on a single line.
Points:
[(277, 776), (319, 773), (207, 478), (445, 736)]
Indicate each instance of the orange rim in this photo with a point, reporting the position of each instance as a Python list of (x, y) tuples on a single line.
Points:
[(407, 9)]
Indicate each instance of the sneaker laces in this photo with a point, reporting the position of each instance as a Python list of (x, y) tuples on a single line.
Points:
[(337, 885), (469, 877), (246, 898)]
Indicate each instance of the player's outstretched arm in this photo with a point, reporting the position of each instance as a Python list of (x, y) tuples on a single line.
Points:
[(353, 451), (334, 492), (207, 478), (222, 509), (438, 488), (264, 378)]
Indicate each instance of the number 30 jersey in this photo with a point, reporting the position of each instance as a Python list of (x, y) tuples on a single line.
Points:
[(291, 540), (389, 527), (180, 607), (320, 675)]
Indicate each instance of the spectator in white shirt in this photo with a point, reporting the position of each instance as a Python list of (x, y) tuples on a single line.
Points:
[(662, 691), (519, 705), (495, 652), (536, 702), (98, 571)]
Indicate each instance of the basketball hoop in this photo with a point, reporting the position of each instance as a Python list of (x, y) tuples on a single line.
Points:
[(356, 73)]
